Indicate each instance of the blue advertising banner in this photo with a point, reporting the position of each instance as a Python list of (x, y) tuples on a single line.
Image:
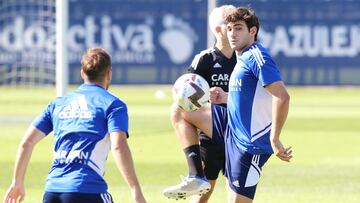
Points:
[(150, 41), (27, 42), (314, 42)]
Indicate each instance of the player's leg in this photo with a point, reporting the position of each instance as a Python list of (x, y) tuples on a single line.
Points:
[(243, 171), (211, 119), (212, 156), (205, 197), (237, 198), (186, 125)]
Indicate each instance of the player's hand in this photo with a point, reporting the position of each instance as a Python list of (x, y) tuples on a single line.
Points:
[(15, 193), (285, 154), (218, 95), (138, 196)]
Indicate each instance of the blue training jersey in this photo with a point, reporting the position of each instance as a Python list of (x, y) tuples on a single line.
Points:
[(249, 103), (81, 121)]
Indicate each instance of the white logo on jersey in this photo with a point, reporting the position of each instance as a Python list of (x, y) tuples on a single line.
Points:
[(76, 109), (220, 77), (77, 156), (217, 65), (235, 82)]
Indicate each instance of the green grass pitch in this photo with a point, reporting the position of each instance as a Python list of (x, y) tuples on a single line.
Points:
[(323, 127)]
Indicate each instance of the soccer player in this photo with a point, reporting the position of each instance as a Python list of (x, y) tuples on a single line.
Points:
[(257, 107), (86, 123), (215, 65)]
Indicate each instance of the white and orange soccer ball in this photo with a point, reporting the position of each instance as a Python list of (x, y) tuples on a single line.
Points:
[(190, 92)]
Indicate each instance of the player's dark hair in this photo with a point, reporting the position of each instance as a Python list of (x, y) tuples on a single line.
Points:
[(95, 63), (244, 14)]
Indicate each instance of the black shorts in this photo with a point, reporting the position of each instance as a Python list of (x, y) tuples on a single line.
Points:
[(212, 150), (73, 197), (213, 158)]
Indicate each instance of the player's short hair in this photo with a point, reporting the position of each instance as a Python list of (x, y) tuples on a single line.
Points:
[(217, 16), (95, 62), (244, 14)]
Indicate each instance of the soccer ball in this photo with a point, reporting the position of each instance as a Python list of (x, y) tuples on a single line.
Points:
[(190, 92)]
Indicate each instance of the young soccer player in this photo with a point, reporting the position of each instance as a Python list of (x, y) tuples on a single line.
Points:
[(257, 107), (215, 65), (86, 123), (258, 104)]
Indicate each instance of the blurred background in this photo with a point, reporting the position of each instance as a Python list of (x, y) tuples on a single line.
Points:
[(314, 42)]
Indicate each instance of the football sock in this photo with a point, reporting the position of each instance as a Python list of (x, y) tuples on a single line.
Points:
[(193, 158)]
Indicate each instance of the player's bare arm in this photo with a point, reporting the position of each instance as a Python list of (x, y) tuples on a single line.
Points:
[(124, 162), (280, 106), (16, 191)]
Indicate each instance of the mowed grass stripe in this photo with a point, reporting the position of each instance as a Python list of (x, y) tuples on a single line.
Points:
[(322, 128)]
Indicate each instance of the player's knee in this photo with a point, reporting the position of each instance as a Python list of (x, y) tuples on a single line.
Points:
[(176, 114)]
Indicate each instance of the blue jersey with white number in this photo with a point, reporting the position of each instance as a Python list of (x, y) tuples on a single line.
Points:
[(249, 103), (81, 122)]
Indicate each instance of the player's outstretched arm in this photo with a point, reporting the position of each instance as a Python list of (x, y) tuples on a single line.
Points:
[(218, 95), (280, 109), (16, 191), (124, 162)]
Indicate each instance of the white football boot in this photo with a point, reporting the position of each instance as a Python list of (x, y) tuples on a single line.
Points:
[(188, 187)]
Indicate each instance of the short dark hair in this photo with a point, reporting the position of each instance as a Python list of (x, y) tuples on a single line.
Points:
[(244, 14), (95, 62)]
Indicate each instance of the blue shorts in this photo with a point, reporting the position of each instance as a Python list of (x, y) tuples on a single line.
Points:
[(73, 197), (219, 123), (242, 168)]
